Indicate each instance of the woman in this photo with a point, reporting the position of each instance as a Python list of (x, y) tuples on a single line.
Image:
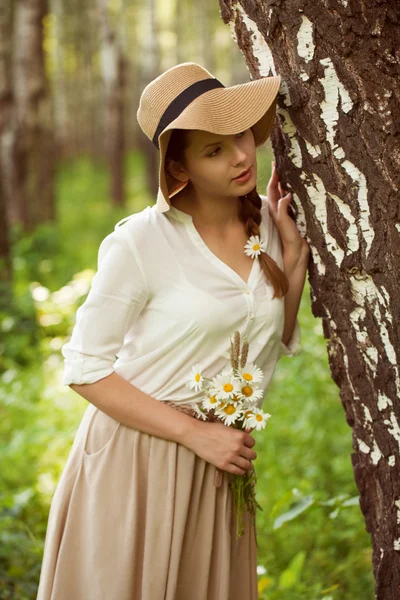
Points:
[(136, 514)]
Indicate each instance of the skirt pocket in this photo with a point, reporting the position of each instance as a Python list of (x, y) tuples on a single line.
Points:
[(100, 432)]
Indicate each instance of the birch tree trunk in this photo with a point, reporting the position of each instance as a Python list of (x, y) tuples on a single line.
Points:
[(336, 141), (151, 68), (32, 144), (112, 62)]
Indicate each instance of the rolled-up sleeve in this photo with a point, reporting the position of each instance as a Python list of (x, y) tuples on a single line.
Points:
[(117, 296), (293, 347)]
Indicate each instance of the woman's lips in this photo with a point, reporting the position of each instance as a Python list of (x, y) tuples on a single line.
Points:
[(244, 177)]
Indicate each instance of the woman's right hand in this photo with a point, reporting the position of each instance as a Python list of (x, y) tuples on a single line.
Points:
[(227, 448)]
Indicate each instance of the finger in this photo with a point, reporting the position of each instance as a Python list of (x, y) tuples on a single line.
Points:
[(243, 463)]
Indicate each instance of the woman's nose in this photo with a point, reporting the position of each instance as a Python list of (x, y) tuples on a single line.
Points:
[(239, 155)]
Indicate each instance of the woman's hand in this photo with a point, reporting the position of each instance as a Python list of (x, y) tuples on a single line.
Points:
[(227, 448), (278, 203)]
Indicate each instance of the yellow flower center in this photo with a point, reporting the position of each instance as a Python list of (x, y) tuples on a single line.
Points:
[(259, 417), (256, 247), (197, 377), (213, 400), (248, 414), (230, 409), (247, 390), (228, 387), (247, 376)]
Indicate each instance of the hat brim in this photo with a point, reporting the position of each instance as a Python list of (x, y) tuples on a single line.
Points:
[(225, 111)]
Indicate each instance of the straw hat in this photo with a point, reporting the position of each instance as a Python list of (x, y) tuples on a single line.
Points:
[(187, 96)]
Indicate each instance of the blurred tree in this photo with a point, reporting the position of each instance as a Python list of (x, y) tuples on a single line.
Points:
[(337, 144), (113, 64), (31, 153), (150, 69), (5, 116)]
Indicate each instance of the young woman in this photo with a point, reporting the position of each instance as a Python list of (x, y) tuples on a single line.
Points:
[(136, 514)]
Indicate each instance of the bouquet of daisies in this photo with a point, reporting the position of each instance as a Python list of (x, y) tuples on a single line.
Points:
[(232, 398)]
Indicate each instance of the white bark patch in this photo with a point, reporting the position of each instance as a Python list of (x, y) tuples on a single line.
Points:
[(397, 503), (318, 262), (363, 218), (305, 42), (365, 346), (397, 227), (363, 446), (383, 401), (260, 47), (333, 89), (367, 414), (317, 195), (391, 460), (365, 294), (376, 454), (396, 544), (394, 430), (351, 233), (288, 127), (314, 151)]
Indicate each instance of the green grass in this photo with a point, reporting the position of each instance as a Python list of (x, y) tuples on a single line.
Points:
[(320, 550)]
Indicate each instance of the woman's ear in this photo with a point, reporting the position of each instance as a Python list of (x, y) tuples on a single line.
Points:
[(176, 178), (174, 169)]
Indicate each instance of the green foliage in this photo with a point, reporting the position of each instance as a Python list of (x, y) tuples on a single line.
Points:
[(311, 533)]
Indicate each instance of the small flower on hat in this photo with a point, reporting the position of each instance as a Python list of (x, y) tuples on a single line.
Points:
[(254, 246)]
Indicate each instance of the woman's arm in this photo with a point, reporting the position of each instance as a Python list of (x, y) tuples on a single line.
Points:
[(134, 408), (295, 268)]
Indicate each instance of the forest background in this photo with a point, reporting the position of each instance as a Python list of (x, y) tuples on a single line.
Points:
[(99, 169)]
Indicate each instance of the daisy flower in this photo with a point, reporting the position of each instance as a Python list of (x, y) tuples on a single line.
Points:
[(210, 402), (250, 392), (196, 379), (225, 386), (254, 246), (230, 413), (200, 413), (251, 374), (257, 419)]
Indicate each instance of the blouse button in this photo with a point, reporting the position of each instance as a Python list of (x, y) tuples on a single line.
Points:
[(247, 291)]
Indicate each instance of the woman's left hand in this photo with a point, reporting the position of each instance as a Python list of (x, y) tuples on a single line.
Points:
[(278, 204)]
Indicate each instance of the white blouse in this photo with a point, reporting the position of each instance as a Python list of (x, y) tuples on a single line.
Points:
[(162, 301)]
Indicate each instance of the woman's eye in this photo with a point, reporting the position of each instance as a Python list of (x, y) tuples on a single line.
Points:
[(219, 147)]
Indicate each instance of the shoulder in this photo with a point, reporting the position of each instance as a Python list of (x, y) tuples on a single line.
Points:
[(139, 228), (264, 203), (265, 214), (135, 221)]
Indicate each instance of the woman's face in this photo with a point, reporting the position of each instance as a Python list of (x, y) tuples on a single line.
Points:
[(212, 161)]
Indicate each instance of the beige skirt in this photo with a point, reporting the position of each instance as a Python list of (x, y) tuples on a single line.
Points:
[(137, 517)]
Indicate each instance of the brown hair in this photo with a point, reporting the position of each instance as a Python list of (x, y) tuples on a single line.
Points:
[(249, 214)]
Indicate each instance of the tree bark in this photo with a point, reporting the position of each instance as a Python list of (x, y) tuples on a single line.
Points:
[(336, 141), (32, 151)]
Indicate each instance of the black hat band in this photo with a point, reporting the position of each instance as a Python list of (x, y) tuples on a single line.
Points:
[(183, 99)]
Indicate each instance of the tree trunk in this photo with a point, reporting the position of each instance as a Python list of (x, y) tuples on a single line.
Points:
[(33, 144), (151, 65), (113, 63), (336, 140), (5, 117)]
